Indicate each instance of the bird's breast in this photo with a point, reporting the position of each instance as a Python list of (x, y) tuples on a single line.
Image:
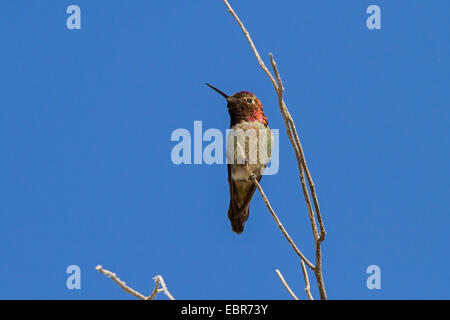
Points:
[(249, 146)]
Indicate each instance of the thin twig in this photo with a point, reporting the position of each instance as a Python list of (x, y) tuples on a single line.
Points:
[(164, 287), (121, 283), (307, 286), (158, 280), (286, 285), (279, 224), (250, 41), (155, 291)]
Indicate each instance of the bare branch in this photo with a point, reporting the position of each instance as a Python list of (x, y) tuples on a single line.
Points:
[(286, 285), (250, 41), (158, 280), (279, 224), (155, 291), (305, 275), (302, 167), (163, 287), (121, 283), (293, 137), (301, 162)]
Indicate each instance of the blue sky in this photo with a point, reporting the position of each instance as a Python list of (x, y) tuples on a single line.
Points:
[(86, 176)]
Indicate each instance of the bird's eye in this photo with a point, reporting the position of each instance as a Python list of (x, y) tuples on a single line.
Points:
[(249, 100)]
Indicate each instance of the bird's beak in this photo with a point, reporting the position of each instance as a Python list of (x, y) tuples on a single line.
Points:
[(220, 92)]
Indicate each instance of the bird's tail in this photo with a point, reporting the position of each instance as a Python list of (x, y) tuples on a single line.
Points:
[(238, 217)]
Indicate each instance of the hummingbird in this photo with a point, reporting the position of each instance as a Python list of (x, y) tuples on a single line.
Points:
[(246, 158)]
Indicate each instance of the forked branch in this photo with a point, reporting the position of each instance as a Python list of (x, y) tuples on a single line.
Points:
[(158, 281)]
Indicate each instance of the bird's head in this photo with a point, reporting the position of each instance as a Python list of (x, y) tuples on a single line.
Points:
[(243, 106)]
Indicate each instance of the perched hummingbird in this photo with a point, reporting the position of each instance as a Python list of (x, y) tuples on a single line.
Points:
[(249, 147)]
